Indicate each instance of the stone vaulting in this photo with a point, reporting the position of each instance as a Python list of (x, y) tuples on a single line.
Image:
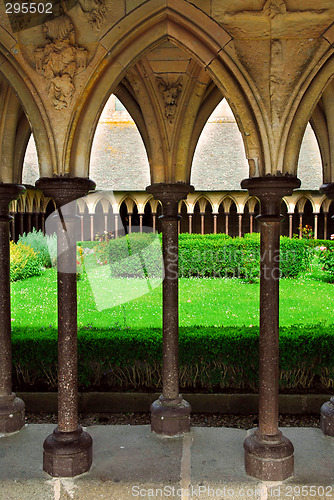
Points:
[(170, 62)]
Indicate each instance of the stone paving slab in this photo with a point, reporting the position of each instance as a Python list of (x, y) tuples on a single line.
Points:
[(130, 462)]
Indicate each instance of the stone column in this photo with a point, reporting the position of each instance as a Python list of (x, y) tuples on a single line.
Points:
[(240, 225), (43, 222), (170, 414), (141, 223), (154, 216), (82, 227), (130, 221), (21, 223), (106, 222), (290, 225), (68, 451), (190, 220), (268, 454), (11, 407), (215, 216), (226, 222), (325, 225), (327, 409), (91, 227), (36, 223), (12, 226), (300, 225), (29, 222), (251, 222), (116, 225), (202, 222), (316, 226)]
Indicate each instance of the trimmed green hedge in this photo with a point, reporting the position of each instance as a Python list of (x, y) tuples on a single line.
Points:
[(214, 255), (211, 359)]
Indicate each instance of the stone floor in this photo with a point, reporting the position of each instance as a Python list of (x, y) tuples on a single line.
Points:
[(131, 462)]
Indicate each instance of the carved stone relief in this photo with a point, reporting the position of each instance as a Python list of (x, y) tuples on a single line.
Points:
[(170, 92), (95, 10), (60, 60)]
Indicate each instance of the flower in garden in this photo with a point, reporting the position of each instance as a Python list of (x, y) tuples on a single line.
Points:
[(332, 236)]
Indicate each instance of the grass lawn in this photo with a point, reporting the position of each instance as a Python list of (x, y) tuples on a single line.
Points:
[(206, 301)]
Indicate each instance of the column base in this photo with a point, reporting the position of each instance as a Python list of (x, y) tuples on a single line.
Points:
[(269, 458), (12, 414), (67, 454), (170, 417), (327, 417)]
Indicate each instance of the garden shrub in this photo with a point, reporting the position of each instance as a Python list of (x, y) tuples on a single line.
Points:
[(211, 358), (45, 246), (136, 255), (326, 258), (24, 262), (213, 255)]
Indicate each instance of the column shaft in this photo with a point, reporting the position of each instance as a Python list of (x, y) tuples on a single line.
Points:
[(325, 225), (290, 225), (226, 223), (190, 219), (202, 222), (170, 313), (268, 343), (67, 333), (239, 225), (11, 407), (154, 216), (215, 223), (251, 222)]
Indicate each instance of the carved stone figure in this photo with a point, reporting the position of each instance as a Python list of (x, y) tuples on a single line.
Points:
[(170, 92), (60, 59), (95, 9)]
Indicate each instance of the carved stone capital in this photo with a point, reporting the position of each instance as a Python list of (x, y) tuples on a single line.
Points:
[(64, 189), (270, 190), (170, 194), (328, 190), (8, 193)]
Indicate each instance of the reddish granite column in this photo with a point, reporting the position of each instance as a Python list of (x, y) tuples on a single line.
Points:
[(11, 407), (68, 451), (327, 409), (226, 222), (170, 414), (268, 454), (251, 222), (325, 225), (290, 224), (215, 217), (190, 217)]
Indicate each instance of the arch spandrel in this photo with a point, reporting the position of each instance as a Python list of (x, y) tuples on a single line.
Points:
[(151, 30)]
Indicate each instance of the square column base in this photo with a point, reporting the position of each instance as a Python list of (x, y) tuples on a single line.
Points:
[(67, 454), (269, 458), (12, 414), (170, 418)]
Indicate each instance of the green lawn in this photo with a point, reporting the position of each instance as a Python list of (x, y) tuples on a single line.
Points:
[(205, 301)]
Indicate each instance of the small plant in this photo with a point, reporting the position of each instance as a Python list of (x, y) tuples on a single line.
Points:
[(326, 258), (44, 246), (102, 247), (307, 232), (24, 262)]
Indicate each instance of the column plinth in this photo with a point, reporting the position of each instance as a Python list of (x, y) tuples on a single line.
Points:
[(11, 407), (68, 450), (170, 414), (268, 454), (327, 409)]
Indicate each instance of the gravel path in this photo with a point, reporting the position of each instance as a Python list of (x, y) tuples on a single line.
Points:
[(198, 420)]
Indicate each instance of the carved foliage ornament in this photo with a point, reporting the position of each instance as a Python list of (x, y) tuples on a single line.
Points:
[(170, 92)]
